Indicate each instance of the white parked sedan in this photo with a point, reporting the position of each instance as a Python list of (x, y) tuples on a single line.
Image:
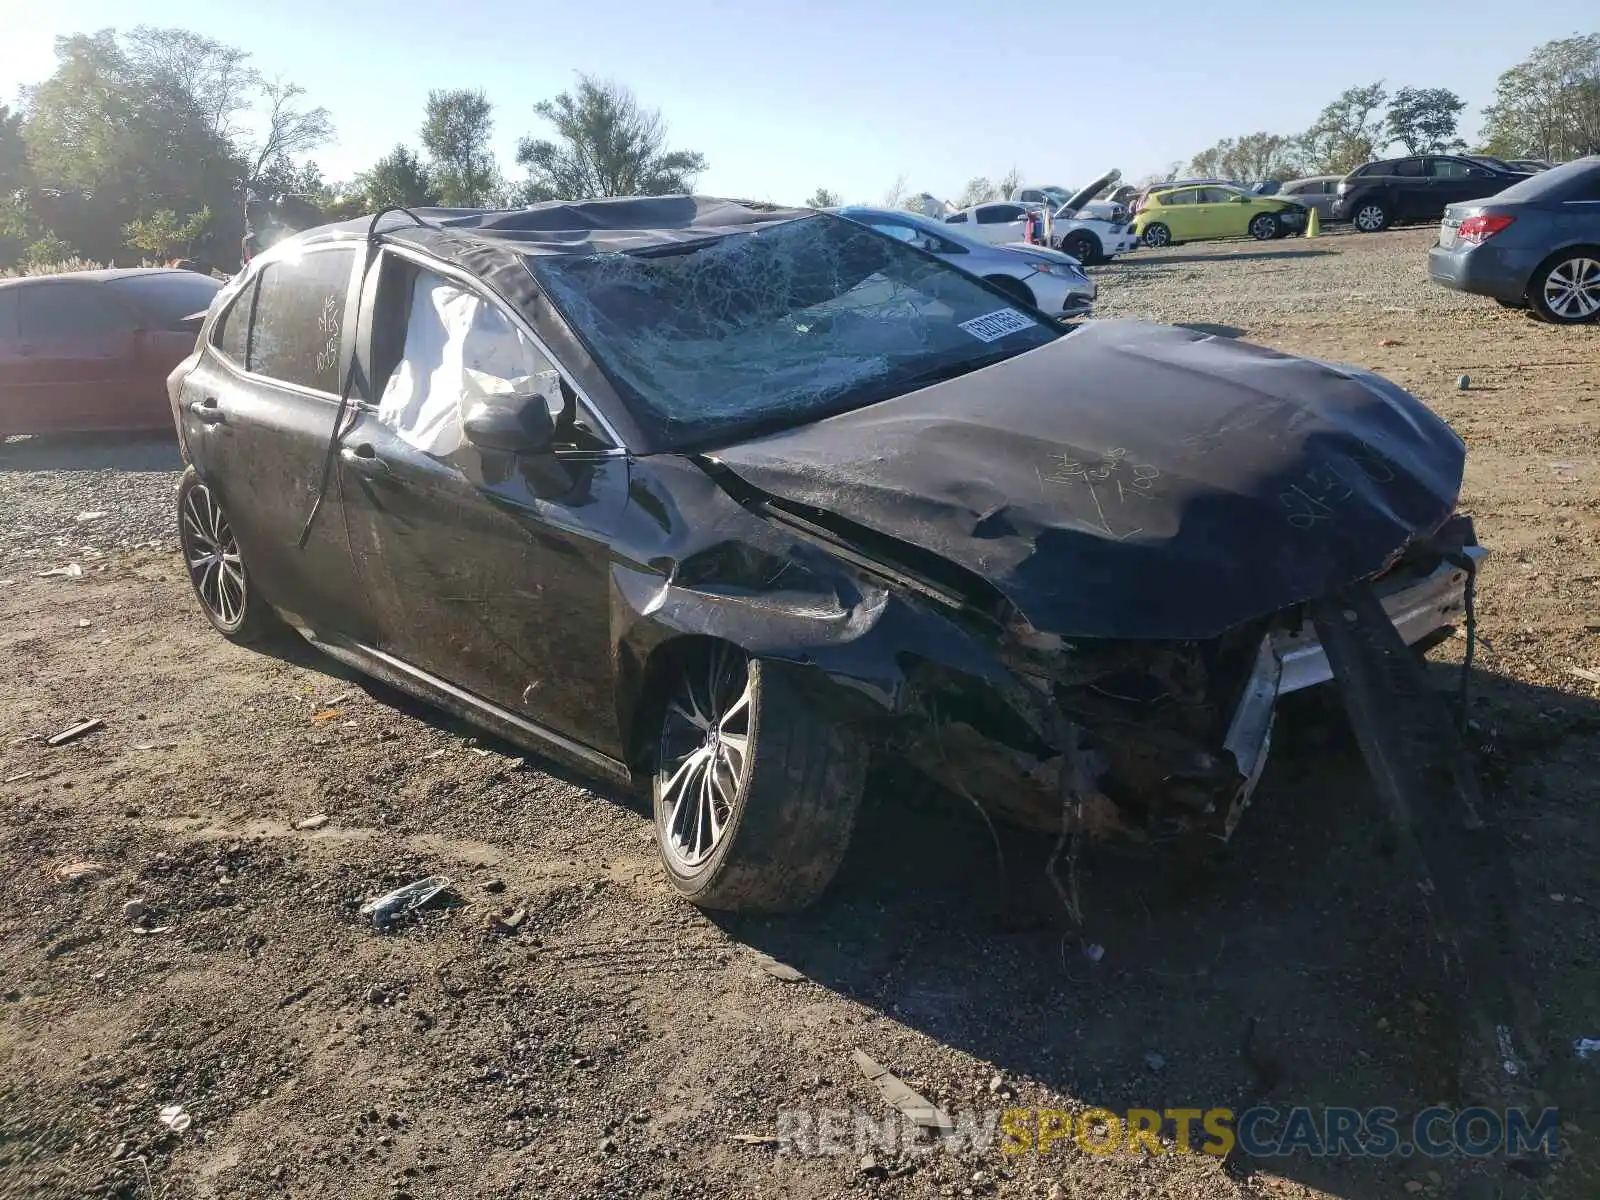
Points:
[(1004, 222)]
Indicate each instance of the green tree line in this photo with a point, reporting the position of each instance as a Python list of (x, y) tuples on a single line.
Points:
[(1547, 106), (140, 144)]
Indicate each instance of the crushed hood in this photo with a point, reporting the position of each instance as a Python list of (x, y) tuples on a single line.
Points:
[(1132, 480)]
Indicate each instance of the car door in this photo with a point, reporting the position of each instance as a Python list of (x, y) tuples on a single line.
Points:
[(1452, 180), (489, 571), (1179, 213), (258, 415), (1219, 213), (70, 370)]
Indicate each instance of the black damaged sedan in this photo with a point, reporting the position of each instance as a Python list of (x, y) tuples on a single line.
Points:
[(722, 500)]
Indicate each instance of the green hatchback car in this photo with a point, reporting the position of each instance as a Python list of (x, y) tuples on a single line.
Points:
[(1193, 214)]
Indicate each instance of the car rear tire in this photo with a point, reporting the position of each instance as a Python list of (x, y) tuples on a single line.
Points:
[(756, 790), (1084, 247), (1370, 217), (217, 571), (1157, 235), (1566, 290), (1264, 227), (1015, 288)]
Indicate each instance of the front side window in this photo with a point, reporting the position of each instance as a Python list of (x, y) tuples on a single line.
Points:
[(299, 312), (778, 327), (460, 350), (70, 310), (956, 219), (1408, 168), (1186, 196)]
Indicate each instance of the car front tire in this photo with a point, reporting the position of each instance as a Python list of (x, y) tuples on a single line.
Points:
[(1084, 247), (1566, 290), (216, 569), (755, 791), (1157, 235), (1370, 217), (1264, 227)]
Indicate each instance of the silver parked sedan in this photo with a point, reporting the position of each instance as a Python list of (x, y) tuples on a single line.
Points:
[(1042, 278)]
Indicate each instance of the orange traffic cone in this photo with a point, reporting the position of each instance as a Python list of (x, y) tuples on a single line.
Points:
[(1311, 224)]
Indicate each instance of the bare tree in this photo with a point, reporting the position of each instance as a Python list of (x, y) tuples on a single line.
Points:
[(895, 196), (291, 129), (609, 145), (215, 75)]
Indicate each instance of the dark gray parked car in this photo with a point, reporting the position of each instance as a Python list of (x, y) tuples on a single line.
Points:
[(1536, 244)]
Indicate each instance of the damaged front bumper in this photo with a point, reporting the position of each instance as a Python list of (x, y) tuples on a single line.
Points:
[(1422, 610), (1172, 738)]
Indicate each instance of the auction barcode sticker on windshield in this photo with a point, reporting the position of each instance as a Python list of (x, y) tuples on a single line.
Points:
[(991, 327)]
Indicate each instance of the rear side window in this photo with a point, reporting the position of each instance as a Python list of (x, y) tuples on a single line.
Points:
[(999, 214), (956, 219), (69, 310), (299, 311), (232, 332), (168, 296), (1188, 196), (1455, 168), (1386, 167), (1408, 168)]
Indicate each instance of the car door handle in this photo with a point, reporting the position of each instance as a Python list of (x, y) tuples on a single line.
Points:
[(207, 412), (364, 460)]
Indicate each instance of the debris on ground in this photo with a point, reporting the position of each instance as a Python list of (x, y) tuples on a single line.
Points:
[(778, 970), (82, 871), (135, 910), (314, 822), (404, 900), (508, 920), (1585, 673), (1586, 1048), (70, 571), (88, 516), (175, 1119), (1156, 1061), (75, 732), (1463, 382), (1094, 952), (755, 1139), (327, 714), (895, 1090)]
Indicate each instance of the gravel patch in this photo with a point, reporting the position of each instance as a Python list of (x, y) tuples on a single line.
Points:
[(79, 497), (1248, 283)]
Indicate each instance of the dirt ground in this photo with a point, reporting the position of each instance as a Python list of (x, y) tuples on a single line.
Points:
[(619, 1042)]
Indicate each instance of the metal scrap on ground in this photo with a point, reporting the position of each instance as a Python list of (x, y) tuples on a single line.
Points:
[(76, 731), (913, 1104)]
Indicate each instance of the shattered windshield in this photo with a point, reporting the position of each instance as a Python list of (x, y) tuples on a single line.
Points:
[(779, 327)]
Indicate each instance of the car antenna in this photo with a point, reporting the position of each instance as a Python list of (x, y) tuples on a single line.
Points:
[(359, 278)]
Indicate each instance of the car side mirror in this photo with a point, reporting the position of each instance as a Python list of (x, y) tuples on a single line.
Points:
[(1241, 199), (515, 424)]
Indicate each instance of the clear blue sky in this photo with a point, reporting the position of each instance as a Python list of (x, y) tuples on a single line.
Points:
[(849, 94)]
